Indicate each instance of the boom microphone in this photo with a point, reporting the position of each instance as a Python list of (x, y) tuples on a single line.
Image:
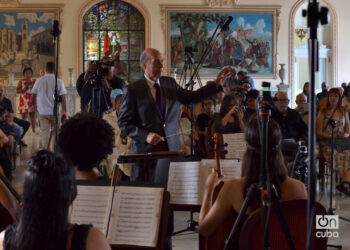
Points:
[(226, 25)]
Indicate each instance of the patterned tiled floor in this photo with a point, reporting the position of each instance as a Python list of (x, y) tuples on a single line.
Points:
[(189, 240)]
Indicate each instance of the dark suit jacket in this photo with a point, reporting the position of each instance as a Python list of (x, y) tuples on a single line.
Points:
[(139, 113)]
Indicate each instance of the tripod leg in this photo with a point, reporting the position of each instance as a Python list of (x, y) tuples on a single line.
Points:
[(239, 221), (282, 218)]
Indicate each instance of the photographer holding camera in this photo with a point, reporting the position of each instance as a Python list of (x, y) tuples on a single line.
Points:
[(95, 85), (230, 118)]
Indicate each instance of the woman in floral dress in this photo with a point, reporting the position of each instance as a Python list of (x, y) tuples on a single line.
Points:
[(24, 88)]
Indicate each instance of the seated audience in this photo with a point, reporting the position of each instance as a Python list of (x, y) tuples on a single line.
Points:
[(202, 125), (306, 90), (23, 124), (329, 106), (242, 77), (122, 143), (230, 118), (234, 191), (300, 100), (252, 105), (49, 189), (86, 140), (324, 92), (228, 77), (289, 120), (185, 129), (345, 102)]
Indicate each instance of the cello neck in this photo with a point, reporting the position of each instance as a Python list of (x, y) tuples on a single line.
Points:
[(217, 150)]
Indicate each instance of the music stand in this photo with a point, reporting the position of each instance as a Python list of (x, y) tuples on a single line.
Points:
[(146, 160)]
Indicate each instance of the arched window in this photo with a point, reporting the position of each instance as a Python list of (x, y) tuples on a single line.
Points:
[(115, 29)]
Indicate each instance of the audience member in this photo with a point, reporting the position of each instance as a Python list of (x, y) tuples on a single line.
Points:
[(289, 120), (42, 72), (345, 102), (185, 129), (306, 90), (230, 118), (122, 143), (234, 191), (23, 124), (86, 140), (49, 189), (242, 77), (43, 96), (252, 105), (24, 89), (202, 125), (323, 93), (300, 100), (329, 106)]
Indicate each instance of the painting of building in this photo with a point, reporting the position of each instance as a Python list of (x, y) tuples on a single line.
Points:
[(25, 41)]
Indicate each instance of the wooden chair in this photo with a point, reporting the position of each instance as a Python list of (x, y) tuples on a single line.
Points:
[(162, 229), (295, 212)]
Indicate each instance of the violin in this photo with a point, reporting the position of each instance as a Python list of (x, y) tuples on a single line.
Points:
[(10, 201), (216, 241)]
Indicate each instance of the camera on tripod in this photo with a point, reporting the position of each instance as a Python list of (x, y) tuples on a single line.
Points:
[(189, 51), (101, 71)]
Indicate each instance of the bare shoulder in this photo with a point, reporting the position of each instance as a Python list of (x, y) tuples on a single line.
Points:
[(96, 240), (293, 189)]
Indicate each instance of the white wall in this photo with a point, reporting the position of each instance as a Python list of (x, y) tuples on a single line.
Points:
[(71, 38)]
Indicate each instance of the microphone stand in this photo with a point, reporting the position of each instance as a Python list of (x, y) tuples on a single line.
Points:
[(55, 33), (195, 73), (314, 15)]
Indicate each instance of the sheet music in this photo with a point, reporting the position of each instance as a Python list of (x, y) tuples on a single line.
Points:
[(91, 206), (135, 216), (230, 168), (183, 182), (236, 145)]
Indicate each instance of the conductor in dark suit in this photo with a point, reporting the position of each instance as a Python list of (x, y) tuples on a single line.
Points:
[(149, 113)]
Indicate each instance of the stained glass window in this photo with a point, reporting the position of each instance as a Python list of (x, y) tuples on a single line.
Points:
[(115, 29)]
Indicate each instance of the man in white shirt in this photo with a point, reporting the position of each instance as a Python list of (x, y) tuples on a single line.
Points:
[(43, 97)]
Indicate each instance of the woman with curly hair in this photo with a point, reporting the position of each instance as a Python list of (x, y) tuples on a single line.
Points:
[(49, 189), (330, 105), (86, 140), (234, 191)]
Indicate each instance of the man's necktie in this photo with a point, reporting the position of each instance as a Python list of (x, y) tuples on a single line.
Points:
[(159, 98)]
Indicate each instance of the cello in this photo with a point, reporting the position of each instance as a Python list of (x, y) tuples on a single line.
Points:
[(216, 241), (10, 202)]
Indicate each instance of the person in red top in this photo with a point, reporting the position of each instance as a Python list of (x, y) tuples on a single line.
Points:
[(24, 88)]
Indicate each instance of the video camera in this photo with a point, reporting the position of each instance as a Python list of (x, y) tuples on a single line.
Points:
[(101, 71), (189, 51)]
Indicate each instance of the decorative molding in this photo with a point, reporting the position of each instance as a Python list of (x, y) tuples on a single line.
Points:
[(221, 3), (334, 52), (79, 34), (9, 3)]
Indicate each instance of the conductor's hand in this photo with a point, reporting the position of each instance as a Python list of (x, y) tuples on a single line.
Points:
[(154, 138)]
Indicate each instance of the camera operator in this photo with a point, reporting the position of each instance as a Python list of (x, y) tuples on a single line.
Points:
[(84, 89), (99, 76), (113, 80)]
